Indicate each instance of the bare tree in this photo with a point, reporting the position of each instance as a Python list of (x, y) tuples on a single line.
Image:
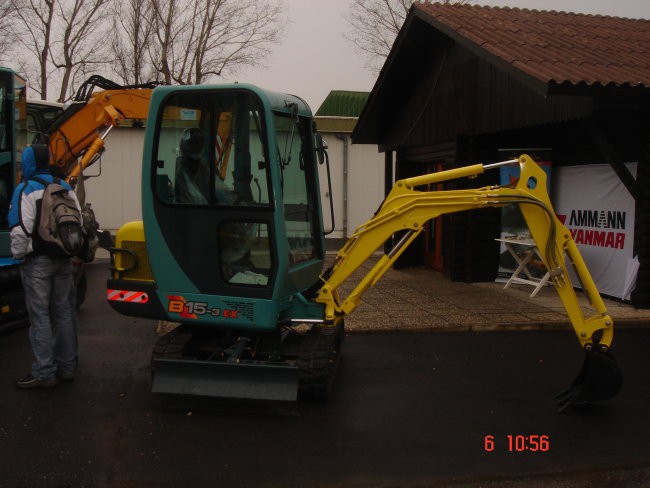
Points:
[(374, 25), (131, 43), (82, 44), (198, 39), (34, 33), (58, 40), (177, 41), (168, 28), (7, 28)]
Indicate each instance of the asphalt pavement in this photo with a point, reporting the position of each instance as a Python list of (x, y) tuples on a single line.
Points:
[(407, 409)]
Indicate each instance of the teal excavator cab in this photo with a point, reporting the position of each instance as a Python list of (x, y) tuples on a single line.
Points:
[(234, 236)]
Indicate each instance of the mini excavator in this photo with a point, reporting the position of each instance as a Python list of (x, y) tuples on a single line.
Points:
[(231, 247)]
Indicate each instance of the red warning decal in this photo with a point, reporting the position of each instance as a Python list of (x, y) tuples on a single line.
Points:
[(127, 296)]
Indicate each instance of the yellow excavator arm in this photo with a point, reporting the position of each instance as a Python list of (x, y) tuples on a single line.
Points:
[(408, 208)]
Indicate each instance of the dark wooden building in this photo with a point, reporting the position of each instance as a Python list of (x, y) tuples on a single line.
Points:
[(463, 83)]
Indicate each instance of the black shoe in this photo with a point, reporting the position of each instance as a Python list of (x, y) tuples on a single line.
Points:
[(30, 382), (65, 376)]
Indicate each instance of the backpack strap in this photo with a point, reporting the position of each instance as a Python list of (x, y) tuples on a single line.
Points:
[(38, 213), (45, 184), (55, 179), (39, 180)]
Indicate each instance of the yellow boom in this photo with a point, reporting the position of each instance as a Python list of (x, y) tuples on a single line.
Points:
[(408, 208)]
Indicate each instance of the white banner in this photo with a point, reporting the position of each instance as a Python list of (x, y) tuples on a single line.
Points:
[(596, 207)]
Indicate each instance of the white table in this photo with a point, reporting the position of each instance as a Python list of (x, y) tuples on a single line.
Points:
[(523, 260)]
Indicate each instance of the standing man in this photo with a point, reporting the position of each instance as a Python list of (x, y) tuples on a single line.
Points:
[(46, 275)]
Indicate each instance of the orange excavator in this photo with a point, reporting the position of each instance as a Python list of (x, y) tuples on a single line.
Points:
[(76, 138), (76, 141)]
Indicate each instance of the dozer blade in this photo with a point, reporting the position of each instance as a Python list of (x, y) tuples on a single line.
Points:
[(599, 379), (225, 380)]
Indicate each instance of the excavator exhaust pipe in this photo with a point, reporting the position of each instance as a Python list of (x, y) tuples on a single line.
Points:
[(599, 379)]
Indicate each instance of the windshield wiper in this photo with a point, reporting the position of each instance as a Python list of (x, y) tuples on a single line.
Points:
[(288, 143)]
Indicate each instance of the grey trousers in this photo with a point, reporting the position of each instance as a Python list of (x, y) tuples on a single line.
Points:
[(48, 286)]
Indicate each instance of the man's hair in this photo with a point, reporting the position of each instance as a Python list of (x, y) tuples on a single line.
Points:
[(41, 156), (56, 171)]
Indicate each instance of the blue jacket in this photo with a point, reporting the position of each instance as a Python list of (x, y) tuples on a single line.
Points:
[(24, 205)]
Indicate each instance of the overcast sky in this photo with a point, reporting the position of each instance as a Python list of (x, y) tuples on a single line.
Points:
[(315, 58)]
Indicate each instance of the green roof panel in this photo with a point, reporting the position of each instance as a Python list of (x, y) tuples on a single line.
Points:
[(341, 103)]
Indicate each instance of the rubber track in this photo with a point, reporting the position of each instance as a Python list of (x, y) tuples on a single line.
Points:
[(317, 361), (172, 344)]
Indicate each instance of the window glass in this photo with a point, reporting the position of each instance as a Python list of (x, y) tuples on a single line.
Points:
[(3, 114), (39, 119), (50, 114), (32, 124), (6, 186), (11, 116), (211, 151), (20, 113), (294, 156), (245, 250)]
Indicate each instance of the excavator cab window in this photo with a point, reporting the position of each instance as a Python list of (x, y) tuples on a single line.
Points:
[(211, 172), (211, 149), (4, 112), (295, 158), (5, 164), (20, 113), (40, 116), (13, 135)]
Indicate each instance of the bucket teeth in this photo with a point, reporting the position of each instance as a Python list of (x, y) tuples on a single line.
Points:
[(599, 379)]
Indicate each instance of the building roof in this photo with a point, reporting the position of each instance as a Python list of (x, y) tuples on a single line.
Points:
[(343, 103), (533, 67), (343, 125), (552, 47)]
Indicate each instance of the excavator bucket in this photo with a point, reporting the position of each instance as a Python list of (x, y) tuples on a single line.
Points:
[(599, 379)]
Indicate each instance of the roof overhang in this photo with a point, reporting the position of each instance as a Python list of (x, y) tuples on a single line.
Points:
[(421, 42), (343, 125), (406, 64)]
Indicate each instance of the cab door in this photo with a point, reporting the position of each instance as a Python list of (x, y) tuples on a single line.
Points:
[(210, 231), (13, 139)]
